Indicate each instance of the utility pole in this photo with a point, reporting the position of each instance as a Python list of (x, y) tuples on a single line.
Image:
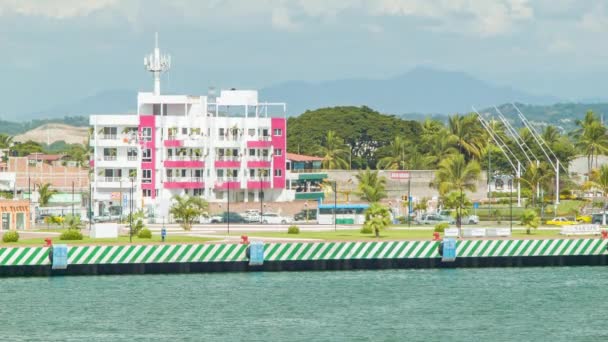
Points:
[(335, 206), (72, 199)]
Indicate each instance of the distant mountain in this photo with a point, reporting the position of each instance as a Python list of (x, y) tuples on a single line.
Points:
[(421, 90), (106, 102)]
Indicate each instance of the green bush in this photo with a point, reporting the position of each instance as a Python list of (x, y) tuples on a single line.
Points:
[(440, 227), (402, 219), (144, 233), (10, 236), (366, 229), (138, 226), (293, 230), (71, 234)]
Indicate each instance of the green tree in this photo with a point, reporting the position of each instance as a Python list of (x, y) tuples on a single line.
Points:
[(6, 141), (397, 158), (599, 179), (334, 152), (72, 222), (467, 134), (187, 209), (27, 148), (455, 174), (536, 179), (45, 192), (590, 138), (371, 187), (530, 220), (377, 217)]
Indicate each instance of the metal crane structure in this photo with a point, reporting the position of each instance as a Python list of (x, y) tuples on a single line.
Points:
[(545, 148), (504, 148)]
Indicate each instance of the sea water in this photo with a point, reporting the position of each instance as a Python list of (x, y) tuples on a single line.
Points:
[(506, 304)]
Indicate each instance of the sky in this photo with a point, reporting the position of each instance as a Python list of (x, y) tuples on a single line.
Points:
[(57, 52)]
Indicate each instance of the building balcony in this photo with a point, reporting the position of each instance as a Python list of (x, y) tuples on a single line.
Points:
[(261, 163), (228, 162), (256, 184), (173, 143), (112, 140), (227, 183), (257, 143), (113, 161), (113, 182), (184, 183), (184, 163)]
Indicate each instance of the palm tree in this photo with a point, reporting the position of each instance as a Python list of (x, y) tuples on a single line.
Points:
[(536, 177), (334, 152), (371, 187), (599, 179), (455, 174), (44, 193), (467, 134), (377, 217), (396, 160), (530, 219), (6, 141), (592, 142), (187, 209), (441, 147)]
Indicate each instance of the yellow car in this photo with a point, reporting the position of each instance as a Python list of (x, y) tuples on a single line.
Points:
[(562, 221), (584, 219)]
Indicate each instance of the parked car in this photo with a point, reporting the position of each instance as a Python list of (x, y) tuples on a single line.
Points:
[(228, 217), (307, 214), (562, 221), (598, 218), (471, 219), (273, 218), (251, 216), (434, 219)]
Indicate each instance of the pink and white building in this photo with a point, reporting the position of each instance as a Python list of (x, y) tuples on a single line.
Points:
[(226, 147)]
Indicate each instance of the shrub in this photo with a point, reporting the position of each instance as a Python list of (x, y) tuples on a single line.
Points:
[(138, 226), (71, 234), (293, 230), (440, 227), (144, 233), (366, 229), (402, 219), (10, 236)]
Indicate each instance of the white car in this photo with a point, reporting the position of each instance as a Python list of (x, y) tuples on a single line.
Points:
[(273, 218)]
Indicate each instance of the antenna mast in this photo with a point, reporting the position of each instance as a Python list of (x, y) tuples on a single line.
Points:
[(156, 64)]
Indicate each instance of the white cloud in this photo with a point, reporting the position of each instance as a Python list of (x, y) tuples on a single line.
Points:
[(57, 9), (281, 19), (560, 45), (482, 17), (596, 20)]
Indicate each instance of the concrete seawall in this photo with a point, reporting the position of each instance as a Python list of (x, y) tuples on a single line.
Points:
[(184, 258)]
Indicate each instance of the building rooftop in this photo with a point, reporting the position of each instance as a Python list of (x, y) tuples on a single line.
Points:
[(302, 158), (45, 157)]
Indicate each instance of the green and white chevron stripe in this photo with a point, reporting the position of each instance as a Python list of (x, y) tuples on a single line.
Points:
[(302, 251)]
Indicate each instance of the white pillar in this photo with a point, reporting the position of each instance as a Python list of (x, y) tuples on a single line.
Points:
[(518, 185), (556, 182)]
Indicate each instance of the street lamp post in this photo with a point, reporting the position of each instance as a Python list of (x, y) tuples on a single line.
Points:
[(72, 199), (261, 197), (130, 212), (228, 209), (335, 205), (306, 210), (511, 204)]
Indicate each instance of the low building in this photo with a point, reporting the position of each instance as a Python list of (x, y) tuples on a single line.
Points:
[(14, 215), (42, 169), (304, 176)]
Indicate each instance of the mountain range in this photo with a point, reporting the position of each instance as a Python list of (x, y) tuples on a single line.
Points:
[(420, 90)]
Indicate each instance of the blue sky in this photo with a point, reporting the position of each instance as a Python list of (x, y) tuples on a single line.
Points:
[(56, 52)]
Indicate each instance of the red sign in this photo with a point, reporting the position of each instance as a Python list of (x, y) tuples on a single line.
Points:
[(400, 175)]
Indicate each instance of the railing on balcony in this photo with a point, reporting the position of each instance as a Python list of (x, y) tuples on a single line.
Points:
[(109, 137), (110, 179), (132, 158), (264, 137), (230, 137), (109, 158), (228, 158), (258, 179), (185, 179), (184, 158), (228, 179), (263, 158)]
